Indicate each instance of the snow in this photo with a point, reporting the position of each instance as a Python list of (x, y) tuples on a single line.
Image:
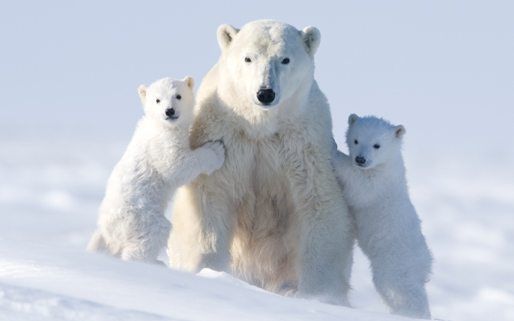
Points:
[(56, 282), (49, 194)]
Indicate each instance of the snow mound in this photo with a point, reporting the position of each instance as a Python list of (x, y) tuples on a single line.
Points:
[(52, 282)]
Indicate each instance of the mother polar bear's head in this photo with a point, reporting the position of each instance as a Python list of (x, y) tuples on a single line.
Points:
[(265, 64)]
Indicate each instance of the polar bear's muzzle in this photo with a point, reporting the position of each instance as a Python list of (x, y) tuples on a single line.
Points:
[(266, 96), (171, 114)]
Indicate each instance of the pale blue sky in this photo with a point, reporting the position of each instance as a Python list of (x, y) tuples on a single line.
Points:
[(445, 69)]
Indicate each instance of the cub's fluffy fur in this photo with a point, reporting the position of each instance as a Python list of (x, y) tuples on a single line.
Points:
[(388, 228), (157, 161)]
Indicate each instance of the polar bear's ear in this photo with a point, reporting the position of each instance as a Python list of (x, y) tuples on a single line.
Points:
[(226, 34), (311, 38), (141, 90), (189, 82), (399, 131), (352, 119)]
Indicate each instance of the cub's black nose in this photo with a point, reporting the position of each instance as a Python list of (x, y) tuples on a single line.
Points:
[(170, 112), (360, 160), (266, 96)]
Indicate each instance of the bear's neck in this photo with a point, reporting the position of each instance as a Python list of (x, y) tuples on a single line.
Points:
[(158, 131), (393, 170)]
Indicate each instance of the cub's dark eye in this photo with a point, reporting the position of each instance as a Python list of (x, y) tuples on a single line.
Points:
[(285, 61), (247, 59), (157, 100), (178, 97), (376, 146), (356, 142)]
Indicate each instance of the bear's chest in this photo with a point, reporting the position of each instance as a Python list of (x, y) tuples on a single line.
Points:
[(268, 164), (366, 191), (260, 185), (255, 166)]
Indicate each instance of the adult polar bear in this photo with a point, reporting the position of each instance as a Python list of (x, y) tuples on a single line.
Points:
[(273, 214)]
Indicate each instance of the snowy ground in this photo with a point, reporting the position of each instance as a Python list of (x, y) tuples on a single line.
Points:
[(50, 189)]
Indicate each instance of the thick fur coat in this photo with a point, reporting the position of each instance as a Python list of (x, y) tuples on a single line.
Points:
[(388, 227), (273, 214), (158, 160)]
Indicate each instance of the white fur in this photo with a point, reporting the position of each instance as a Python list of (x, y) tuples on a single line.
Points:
[(157, 161), (273, 214), (388, 228)]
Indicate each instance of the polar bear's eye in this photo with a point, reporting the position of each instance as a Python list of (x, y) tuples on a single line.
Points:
[(157, 100), (356, 142), (376, 146), (247, 59), (178, 97), (285, 61)]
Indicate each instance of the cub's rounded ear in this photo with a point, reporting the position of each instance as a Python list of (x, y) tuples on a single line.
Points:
[(190, 82), (399, 131), (141, 90), (352, 119), (311, 38), (226, 34)]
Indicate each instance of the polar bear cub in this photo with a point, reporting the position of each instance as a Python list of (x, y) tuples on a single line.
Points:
[(158, 160), (388, 228)]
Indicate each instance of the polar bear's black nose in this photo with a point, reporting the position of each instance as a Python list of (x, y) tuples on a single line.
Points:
[(170, 112), (360, 160), (266, 96)]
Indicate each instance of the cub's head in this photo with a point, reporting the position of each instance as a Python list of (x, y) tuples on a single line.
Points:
[(373, 141), (168, 101), (266, 62)]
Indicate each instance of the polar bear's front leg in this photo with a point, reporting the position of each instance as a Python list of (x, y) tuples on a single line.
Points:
[(326, 232), (204, 160), (202, 229), (401, 264)]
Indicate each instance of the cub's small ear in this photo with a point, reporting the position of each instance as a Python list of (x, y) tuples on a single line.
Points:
[(226, 34), (399, 131), (141, 90), (311, 38), (190, 82), (352, 119)]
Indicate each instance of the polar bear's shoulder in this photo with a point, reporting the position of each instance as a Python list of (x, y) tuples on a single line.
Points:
[(208, 86), (212, 119)]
